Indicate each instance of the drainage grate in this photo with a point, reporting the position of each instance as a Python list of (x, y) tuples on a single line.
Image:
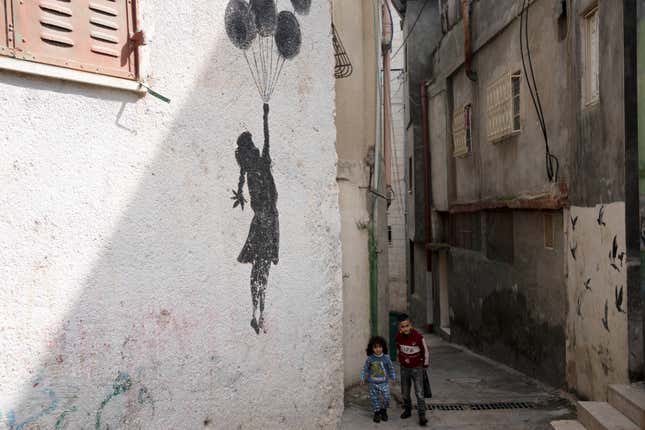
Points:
[(496, 406)]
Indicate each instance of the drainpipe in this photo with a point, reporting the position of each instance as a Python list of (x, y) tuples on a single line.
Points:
[(427, 172), (465, 14), (386, 46)]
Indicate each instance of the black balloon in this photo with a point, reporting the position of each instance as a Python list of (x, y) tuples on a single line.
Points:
[(287, 35), (240, 25), (301, 6), (265, 16)]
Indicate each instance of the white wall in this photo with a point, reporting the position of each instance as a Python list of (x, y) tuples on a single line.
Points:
[(122, 303), (597, 342)]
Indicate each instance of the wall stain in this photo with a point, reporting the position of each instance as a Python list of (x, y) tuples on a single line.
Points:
[(121, 385)]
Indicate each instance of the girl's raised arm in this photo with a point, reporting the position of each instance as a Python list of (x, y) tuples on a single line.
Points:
[(265, 149)]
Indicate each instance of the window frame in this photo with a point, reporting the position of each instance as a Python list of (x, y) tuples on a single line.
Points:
[(500, 107), (14, 60), (590, 67)]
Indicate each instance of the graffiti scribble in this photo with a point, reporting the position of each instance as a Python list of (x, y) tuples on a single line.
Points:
[(121, 385)]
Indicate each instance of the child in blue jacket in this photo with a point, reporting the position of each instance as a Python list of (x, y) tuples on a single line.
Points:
[(376, 371)]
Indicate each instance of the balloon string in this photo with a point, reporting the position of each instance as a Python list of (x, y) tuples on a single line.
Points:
[(251, 71), (265, 79), (274, 74), (277, 76), (257, 70)]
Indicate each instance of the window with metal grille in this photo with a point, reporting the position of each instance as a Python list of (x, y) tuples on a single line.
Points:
[(591, 63), (89, 35), (503, 117), (461, 131)]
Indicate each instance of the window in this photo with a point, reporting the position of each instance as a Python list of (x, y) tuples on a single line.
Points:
[(389, 235), (591, 67), (503, 117), (92, 36), (461, 131)]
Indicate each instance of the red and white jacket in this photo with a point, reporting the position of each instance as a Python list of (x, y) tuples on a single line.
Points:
[(412, 349)]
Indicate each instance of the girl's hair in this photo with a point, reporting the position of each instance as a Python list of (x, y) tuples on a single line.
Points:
[(244, 146), (376, 340)]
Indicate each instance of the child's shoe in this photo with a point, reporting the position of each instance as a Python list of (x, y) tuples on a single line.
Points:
[(377, 417), (422, 420), (384, 416), (407, 413)]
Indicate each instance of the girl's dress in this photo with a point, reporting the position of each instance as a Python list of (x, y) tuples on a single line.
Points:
[(263, 240)]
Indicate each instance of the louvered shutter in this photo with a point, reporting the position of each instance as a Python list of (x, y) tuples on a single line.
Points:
[(89, 35), (4, 27)]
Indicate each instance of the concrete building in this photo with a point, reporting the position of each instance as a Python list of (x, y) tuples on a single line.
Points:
[(534, 241), (396, 214), (123, 301), (361, 181)]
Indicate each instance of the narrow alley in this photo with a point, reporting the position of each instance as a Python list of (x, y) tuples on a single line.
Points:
[(469, 392)]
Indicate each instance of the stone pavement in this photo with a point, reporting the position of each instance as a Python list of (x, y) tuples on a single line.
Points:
[(459, 376)]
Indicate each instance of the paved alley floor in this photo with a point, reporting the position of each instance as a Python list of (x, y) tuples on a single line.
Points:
[(459, 377)]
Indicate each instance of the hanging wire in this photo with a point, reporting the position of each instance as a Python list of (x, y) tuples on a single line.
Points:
[(343, 68), (552, 162), (405, 41)]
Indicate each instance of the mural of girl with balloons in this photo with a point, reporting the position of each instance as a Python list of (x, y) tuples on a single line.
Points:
[(267, 40)]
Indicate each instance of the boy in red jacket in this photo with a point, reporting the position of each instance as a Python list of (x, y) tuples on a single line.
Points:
[(413, 358)]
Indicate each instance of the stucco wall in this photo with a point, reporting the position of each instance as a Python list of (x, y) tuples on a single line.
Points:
[(597, 341), (123, 304)]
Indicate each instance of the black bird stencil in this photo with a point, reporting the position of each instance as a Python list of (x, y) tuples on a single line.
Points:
[(613, 254), (579, 307), (601, 215), (587, 284), (574, 248), (605, 321), (619, 299), (621, 256), (574, 221)]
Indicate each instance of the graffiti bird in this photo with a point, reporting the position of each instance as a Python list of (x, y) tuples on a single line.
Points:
[(579, 308), (621, 256), (574, 248), (601, 215), (605, 320), (574, 221), (619, 299), (613, 254), (588, 284)]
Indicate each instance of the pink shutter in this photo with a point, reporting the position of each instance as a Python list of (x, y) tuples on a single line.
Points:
[(6, 41), (89, 35)]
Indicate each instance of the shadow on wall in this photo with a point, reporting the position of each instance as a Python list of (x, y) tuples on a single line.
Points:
[(159, 334)]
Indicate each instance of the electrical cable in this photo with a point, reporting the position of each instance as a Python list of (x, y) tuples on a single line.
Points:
[(551, 170), (411, 29)]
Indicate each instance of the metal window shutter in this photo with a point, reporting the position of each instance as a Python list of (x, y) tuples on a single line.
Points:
[(5, 25), (89, 35)]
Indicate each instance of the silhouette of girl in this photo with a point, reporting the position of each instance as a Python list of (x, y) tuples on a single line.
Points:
[(262, 244)]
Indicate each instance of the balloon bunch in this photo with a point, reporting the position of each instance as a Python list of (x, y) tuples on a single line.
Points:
[(267, 38)]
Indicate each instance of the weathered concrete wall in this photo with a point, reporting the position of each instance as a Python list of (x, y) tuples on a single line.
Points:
[(513, 311), (592, 156), (123, 304), (356, 124)]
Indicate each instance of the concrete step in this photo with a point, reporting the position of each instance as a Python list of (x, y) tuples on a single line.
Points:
[(630, 401), (603, 416), (566, 425)]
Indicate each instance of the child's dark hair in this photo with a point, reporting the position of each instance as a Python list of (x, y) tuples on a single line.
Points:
[(403, 317), (376, 340)]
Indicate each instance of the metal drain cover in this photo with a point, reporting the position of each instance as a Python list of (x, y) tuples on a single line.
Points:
[(493, 406)]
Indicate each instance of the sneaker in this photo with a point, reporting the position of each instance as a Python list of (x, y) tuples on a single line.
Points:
[(384, 416), (422, 420), (377, 417), (407, 413)]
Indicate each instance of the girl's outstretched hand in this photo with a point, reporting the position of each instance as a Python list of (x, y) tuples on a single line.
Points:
[(238, 199)]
